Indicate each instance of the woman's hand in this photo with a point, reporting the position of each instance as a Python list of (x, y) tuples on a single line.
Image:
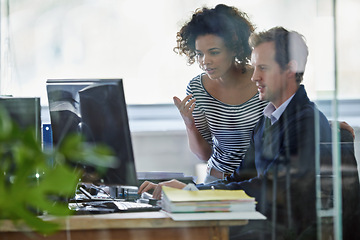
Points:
[(186, 108), (146, 186), (345, 126), (197, 143)]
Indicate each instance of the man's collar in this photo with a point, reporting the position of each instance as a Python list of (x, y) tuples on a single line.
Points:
[(275, 113)]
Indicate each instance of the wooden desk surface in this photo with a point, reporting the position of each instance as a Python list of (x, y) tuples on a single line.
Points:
[(142, 225)]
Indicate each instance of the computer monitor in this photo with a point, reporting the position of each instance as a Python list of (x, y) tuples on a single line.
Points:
[(95, 108), (24, 111)]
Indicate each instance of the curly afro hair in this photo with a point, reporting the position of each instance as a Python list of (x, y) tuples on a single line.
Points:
[(232, 25)]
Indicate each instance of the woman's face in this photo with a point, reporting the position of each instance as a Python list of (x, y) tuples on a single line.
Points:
[(213, 56)]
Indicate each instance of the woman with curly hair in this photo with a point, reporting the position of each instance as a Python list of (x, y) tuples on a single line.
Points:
[(222, 104)]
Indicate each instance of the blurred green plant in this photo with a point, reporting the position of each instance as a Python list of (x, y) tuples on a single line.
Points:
[(30, 185)]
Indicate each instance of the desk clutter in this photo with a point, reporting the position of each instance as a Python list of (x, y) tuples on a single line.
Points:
[(179, 204), (95, 200)]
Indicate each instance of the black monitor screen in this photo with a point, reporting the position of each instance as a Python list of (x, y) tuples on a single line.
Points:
[(24, 111), (95, 108)]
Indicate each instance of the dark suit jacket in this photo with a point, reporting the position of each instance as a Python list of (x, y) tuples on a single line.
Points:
[(279, 165)]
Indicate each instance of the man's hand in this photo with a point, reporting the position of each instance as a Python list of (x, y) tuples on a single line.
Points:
[(146, 186)]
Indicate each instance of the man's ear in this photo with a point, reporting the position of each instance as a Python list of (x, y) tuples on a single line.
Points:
[(292, 67)]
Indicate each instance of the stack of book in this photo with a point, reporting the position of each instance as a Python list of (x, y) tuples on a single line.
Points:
[(208, 204)]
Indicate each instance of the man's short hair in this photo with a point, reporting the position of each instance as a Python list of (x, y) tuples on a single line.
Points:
[(289, 45)]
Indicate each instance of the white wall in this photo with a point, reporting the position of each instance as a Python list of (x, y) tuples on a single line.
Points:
[(163, 151)]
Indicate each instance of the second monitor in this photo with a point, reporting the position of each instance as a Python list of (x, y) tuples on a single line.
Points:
[(95, 108)]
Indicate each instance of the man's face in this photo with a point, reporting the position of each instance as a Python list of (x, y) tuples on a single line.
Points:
[(269, 77)]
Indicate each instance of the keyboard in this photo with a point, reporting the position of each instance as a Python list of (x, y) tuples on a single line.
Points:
[(135, 207), (112, 206)]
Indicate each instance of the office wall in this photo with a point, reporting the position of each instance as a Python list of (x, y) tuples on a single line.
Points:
[(110, 39), (163, 151)]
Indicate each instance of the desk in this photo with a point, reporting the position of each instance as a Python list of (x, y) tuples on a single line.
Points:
[(139, 226)]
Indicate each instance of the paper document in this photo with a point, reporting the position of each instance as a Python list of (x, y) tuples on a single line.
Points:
[(180, 195)]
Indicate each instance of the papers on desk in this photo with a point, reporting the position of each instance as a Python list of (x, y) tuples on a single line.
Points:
[(178, 200), (208, 204)]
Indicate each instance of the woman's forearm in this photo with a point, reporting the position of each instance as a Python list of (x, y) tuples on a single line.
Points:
[(198, 145)]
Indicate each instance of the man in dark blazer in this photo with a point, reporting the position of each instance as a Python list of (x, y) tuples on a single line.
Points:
[(279, 166)]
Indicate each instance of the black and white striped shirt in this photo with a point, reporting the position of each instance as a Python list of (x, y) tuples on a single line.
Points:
[(226, 127)]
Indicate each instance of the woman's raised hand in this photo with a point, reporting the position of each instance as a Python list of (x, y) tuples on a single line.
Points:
[(186, 108)]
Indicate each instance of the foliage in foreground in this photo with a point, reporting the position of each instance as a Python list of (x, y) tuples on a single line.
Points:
[(30, 185)]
